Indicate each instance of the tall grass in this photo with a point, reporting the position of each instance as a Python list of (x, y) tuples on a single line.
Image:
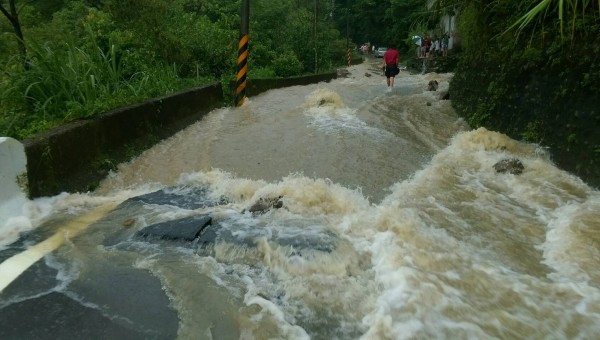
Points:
[(58, 80), (68, 82)]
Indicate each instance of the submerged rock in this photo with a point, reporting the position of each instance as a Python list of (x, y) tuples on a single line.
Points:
[(433, 85), (512, 166), (187, 228), (185, 198), (266, 203)]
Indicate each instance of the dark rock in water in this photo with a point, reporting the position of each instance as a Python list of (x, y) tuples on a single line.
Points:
[(187, 228), (265, 203), (445, 95), (512, 166), (428, 103), (367, 74), (189, 198), (209, 236), (433, 85), (183, 198)]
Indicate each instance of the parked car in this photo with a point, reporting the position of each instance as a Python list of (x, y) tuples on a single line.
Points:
[(380, 51)]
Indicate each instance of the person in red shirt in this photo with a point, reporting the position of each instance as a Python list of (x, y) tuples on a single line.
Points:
[(391, 58), (427, 46)]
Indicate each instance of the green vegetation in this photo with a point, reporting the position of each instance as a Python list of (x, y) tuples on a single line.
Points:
[(63, 60), (520, 74), (529, 69)]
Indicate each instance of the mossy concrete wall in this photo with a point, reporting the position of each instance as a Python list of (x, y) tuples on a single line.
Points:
[(76, 156)]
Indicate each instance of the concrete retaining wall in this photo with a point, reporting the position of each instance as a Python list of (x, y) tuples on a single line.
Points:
[(76, 156)]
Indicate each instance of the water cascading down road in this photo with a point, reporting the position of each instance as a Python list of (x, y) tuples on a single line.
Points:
[(329, 211)]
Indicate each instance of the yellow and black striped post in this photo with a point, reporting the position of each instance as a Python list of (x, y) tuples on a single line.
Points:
[(242, 61), (349, 57)]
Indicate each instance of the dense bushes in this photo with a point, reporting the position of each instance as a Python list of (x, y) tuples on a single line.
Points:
[(537, 86)]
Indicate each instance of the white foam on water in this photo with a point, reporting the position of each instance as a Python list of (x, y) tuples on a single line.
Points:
[(455, 250), (458, 216), (328, 113), (440, 247), (571, 245)]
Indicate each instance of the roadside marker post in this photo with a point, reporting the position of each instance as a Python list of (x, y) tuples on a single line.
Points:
[(348, 56), (242, 61)]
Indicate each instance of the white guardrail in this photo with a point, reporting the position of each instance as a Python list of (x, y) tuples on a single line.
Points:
[(13, 180)]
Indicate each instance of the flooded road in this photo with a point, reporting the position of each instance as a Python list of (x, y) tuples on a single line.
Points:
[(384, 219)]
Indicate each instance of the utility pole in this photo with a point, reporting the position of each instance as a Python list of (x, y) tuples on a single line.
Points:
[(348, 35), (347, 28), (242, 61), (315, 33), (12, 14)]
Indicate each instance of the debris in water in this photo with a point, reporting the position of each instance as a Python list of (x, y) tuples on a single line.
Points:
[(433, 85), (263, 204), (128, 222), (512, 166)]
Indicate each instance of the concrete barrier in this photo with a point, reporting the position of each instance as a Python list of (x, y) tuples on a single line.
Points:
[(13, 180), (76, 156)]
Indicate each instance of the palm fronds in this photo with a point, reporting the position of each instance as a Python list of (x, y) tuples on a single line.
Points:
[(577, 10)]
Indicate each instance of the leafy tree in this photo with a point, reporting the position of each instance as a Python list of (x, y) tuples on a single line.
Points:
[(400, 20), (47, 8), (287, 65), (369, 18)]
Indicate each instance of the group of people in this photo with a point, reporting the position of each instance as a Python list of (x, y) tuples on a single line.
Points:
[(433, 47), (367, 48)]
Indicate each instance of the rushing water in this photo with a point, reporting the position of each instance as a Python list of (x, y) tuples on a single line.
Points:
[(394, 224)]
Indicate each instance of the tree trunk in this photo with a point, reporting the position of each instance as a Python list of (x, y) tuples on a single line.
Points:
[(13, 17)]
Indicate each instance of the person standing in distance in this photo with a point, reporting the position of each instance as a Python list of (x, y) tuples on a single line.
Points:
[(391, 58)]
